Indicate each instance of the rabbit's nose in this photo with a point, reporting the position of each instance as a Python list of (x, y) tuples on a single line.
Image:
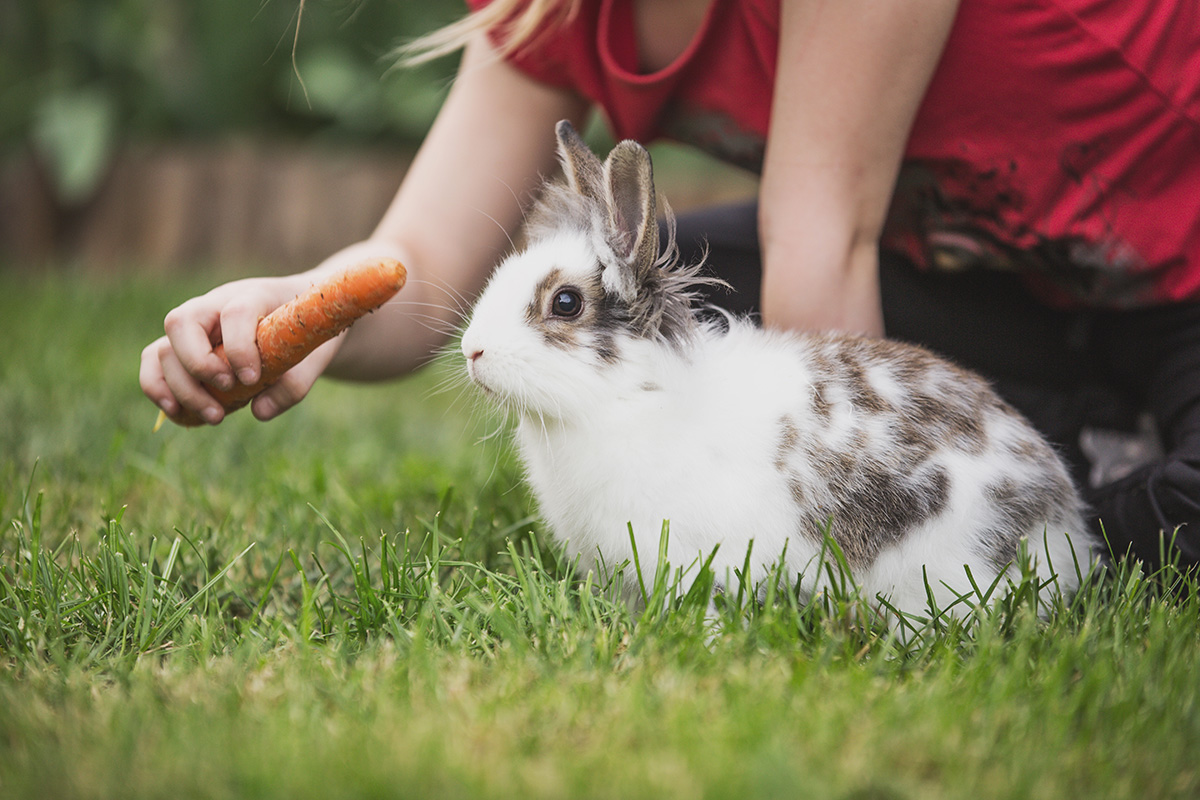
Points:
[(470, 346)]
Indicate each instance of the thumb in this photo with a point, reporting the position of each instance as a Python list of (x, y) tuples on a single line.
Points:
[(295, 383)]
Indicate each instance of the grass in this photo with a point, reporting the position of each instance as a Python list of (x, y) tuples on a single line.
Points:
[(355, 600)]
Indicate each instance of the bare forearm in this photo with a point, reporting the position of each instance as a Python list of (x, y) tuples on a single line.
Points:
[(820, 259), (838, 292), (402, 335), (451, 221), (851, 77)]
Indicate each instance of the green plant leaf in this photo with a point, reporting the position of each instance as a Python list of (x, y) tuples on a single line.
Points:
[(74, 132)]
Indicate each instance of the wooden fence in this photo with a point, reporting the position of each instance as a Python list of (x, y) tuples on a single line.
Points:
[(270, 207)]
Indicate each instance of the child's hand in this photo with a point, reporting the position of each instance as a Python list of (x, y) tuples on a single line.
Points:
[(176, 368)]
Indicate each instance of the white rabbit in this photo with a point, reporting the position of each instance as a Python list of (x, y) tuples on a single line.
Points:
[(633, 409)]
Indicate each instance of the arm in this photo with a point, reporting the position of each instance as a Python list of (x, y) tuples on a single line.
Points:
[(450, 221), (460, 203), (850, 77)]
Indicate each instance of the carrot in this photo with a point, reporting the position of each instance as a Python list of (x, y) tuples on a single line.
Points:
[(289, 333)]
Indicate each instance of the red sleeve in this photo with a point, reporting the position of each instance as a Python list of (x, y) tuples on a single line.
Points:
[(546, 57)]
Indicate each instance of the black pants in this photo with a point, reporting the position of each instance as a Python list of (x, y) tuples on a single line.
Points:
[(1065, 370)]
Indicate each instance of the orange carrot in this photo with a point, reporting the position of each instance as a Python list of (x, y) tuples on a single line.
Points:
[(292, 331)]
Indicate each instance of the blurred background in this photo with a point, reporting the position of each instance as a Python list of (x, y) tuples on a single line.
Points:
[(171, 132), (166, 134)]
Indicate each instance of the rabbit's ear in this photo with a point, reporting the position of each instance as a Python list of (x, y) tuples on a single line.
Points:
[(629, 185), (583, 170)]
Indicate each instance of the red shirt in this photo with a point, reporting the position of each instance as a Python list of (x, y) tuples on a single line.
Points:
[(1057, 137)]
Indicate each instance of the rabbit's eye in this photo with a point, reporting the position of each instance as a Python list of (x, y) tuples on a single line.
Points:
[(567, 303)]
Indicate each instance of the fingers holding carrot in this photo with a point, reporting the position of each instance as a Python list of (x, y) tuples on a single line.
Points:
[(177, 368), (152, 376), (294, 386), (239, 322), (221, 351), (192, 329), (167, 382)]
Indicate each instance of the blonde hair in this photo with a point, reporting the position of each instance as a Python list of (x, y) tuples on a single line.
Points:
[(515, 23)]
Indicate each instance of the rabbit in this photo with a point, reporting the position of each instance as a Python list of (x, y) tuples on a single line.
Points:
[(635, 406)]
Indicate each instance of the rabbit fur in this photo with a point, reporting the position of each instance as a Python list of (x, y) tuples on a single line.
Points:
[(634, 408)]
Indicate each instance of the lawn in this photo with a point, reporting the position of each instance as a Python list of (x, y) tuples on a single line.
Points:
[(356, 600)]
